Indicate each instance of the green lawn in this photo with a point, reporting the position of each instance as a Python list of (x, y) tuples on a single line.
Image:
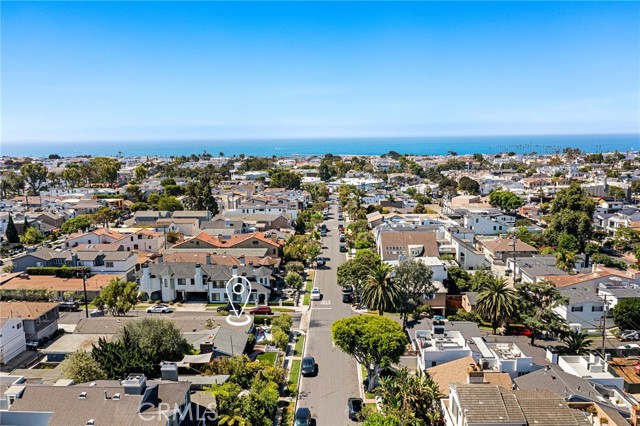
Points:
[(309, 287), (267, 358), (283, 309), (295, 371), (299, 345)]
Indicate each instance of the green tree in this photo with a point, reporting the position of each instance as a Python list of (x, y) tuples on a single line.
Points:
[(134, 193), (12, 232), (31, 236), (122, 356), (297, 267), (81, 367), (414, 281), (469, 185), (567, 243), (505, 200), (354, 271), (140, 173), (571, 213), (380, 292), (566, 260), (104, 216), (626, 314), (71, 176), (537, 301), (119, 297), (260, 404), (616, 193), (375, 342), (286, 179), (76, 224), (160, 335), (496, 302), (168, 203), (200, 197), (35, 174), (294, 281), (414, 400), (379, 419), (577, 343)]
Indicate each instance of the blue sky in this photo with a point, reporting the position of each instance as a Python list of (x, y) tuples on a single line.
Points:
[(209, 70)]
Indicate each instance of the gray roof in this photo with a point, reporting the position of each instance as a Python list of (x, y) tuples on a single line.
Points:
[(215, 272), (69, 409), (487, 404), (571, 388)]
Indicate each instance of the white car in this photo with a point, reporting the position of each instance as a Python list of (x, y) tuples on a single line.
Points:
[(159, 309), (315, 294), (630, 346)]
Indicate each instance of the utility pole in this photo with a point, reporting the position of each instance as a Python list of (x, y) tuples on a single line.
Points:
[(604, 325), (84, 287)]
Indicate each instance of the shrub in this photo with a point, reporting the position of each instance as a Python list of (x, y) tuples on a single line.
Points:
[(279, 338), (58, 271)]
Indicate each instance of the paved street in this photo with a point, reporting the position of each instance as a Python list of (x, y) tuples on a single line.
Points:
[(326, 394)]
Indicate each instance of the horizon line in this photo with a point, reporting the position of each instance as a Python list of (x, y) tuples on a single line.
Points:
[(285, 138)]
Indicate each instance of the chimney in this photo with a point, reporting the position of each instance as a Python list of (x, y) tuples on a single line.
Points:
[(208, 259), (169, 371), (134, 384), (241, 259), (160, 258), (475, 375), (234, 271)]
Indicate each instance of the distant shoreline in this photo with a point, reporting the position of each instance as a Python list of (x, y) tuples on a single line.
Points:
[(432, 145)]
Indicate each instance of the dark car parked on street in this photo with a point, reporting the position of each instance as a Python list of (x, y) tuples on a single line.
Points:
[(355, 408), (303, 417), (228, 308), (309, 366)]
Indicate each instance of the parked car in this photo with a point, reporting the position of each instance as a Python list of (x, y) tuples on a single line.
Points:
[(341, 227), (315, 294), (261, 310), (342, 238), (69, 306), (343, 247), (33, 345), (303, 417), (159, 309), (96, 313), (321, 261), (309, 366), (227, 308), (355, 408), (630, 335), (630, 346), (323, 233)]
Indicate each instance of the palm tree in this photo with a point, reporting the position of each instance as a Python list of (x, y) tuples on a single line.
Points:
[(577, 343), (380, 292), (496, 301), (566, 260)]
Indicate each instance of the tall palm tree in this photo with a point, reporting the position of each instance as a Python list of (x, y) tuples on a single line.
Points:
[(566, 260), (380, 292), (577, 343), (496, 301)]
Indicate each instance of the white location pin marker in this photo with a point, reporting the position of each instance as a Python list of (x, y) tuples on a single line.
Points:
[(239, 286)]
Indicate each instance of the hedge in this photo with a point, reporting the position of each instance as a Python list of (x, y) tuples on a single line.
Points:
[(59, 272)]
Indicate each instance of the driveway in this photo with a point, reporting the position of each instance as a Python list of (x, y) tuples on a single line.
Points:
[(326, 394)]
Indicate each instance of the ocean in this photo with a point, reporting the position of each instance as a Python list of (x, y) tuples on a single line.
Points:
[(341, 146)]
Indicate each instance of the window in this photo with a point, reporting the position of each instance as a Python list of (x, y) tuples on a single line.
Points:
[(597, 308), (215, 297), (255, 243), (108, 264), (433, 363), (576, 309), (182, 281), (494, 227)]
